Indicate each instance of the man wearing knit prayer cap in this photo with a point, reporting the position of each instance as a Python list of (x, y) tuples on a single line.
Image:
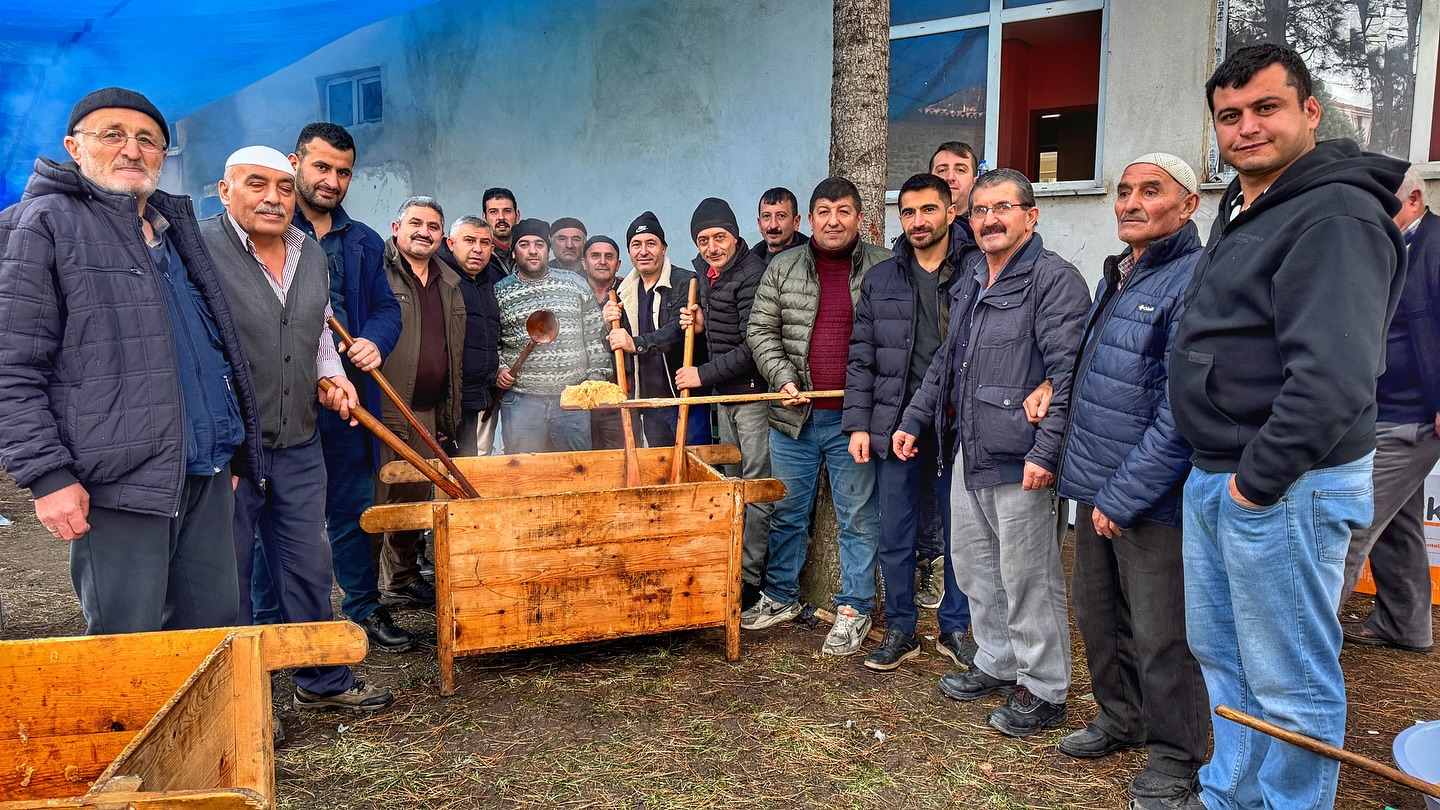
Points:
[(277, 281), (567, 242)]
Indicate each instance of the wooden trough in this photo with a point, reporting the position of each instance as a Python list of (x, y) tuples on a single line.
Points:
[(557, 550), (178, 719)]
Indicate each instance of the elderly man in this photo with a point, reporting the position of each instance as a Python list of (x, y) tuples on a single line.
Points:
[(779, 223), (1407, 445), (651, 299), (1016, 318), (469, 247), (1273, 384), (567, 239), (900, 323), (600, 264), (277, 281), (732, 275), (800, 327), (426, 370), (1124, 465), (124, 428), (324, 161), (530, 408)]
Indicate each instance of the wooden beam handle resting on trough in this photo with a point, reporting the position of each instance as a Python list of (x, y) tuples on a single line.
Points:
[(1314, 746), (401, 449), (715, 399), (632, 462), (683, 423), (347, 342)]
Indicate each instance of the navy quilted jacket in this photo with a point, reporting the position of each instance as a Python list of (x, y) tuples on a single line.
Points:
[(89, 388), (1123, 453)]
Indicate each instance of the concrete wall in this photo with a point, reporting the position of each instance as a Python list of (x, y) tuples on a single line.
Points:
[(598, 109)]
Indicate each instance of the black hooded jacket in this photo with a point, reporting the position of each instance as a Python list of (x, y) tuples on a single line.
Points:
[(730, 368), (1274, 364)]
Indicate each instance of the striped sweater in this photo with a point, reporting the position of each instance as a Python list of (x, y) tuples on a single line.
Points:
[(579, 353)]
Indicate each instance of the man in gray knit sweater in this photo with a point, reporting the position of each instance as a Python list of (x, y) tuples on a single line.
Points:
[(530, 407)]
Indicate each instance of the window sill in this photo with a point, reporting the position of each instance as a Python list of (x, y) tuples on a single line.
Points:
[(1429, 170), (1081, 188)]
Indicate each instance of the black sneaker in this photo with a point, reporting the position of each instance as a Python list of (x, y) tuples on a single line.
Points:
[(973, 684), (362, 697), (1024, 714), (418, 592), (1091, 742), (896, 649), (959, 647), (1189, 800), (380, 628), (929, 582), (1152, 784)]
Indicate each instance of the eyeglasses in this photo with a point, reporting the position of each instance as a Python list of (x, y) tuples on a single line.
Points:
[(115, 139), (982, 211)]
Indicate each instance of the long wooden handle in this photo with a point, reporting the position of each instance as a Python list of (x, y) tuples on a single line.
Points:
[(514, 372), (716, 399), (347, 342), (1314, 746), (683, 423), (401, 448), (632, 461)]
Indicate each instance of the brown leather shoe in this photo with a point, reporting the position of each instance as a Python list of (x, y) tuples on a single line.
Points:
[(1358, 633)]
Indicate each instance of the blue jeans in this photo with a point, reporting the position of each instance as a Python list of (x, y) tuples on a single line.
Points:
[(1262, 587), (796, 462), (902, 489), (534, 423), (658, 425)]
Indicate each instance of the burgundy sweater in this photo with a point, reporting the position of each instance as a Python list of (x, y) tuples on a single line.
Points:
[(830, 342)]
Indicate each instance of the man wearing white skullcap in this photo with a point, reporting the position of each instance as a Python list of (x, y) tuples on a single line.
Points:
[(277, 280), (1123, 465)]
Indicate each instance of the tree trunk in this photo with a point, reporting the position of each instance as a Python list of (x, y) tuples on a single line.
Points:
[(820, 578), (859, 105)]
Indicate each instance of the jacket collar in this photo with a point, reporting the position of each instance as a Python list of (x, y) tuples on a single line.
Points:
[(1020, 264), (1158, 254)]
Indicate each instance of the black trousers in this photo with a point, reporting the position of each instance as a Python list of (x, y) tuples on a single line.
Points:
[(1130, 606)]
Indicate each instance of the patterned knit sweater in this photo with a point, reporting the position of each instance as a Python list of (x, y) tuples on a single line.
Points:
[(579, 353)]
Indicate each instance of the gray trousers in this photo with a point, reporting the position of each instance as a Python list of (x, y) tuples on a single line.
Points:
[(1395, 541), (139, 573), (1130, 606), (747, 426), (1005, 551)]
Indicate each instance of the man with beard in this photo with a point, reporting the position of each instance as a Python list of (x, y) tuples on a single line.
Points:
[(1017, 313), (502, 213), (567, 239), (264, 260), (360, 296), (900, 323), (732, 274), (779, 222), (470, 246), (601, 263), (125, 429), (530, 411), (426, 370)]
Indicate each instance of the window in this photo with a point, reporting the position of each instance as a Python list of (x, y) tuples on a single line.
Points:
[(1019, 80), (352, 98)]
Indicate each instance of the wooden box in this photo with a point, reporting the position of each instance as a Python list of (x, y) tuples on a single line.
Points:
[(557, 550), (178, 719)]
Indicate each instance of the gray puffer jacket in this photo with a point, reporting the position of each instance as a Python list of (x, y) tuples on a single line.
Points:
[(783, 317)]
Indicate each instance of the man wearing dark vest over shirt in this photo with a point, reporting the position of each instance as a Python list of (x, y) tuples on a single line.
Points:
[(277, 281)]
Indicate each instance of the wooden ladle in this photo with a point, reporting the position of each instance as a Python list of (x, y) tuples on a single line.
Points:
[(543, 327)]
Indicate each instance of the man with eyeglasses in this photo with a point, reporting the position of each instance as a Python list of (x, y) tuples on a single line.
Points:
[(126, 402), (1016, 315)]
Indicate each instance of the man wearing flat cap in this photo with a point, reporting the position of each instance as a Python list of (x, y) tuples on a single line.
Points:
[(277, 281), (530, 412), (125, 399), (1124, 465)]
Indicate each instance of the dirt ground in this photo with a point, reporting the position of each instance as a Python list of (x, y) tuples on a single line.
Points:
[(665, 721)]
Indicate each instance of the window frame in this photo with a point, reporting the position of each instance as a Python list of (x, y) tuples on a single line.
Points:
[(1423, 124), (353, 78), (995, 21)]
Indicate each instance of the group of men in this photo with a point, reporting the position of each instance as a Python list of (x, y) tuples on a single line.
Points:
[(1213, 412)]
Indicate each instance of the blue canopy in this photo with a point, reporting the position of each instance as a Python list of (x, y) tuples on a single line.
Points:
[(182, 56)]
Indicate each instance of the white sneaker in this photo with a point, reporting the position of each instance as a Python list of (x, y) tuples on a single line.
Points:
[(848, 633), (767, 612)]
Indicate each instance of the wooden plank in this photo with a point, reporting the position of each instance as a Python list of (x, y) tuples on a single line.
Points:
[(250, 706), (310, 644), (732, 577), (396, 517), (166, 800), (56, 766), (763, 490), (444, 598), (716, 454), (536, 473)]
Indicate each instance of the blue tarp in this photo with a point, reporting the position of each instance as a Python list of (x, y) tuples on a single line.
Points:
[(182, 55)]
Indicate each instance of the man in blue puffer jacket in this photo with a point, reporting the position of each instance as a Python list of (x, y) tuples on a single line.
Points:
[(1124, 464)]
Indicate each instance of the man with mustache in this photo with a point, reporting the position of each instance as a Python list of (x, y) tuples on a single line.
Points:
[(324, 161), (277, 281), (900, 322), (600, 265), (567, 238), (426, 369), (125, 399), (779, 222), (469, 246), (1015, 321), (502, 213), (1124, 465), (799, 335)]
